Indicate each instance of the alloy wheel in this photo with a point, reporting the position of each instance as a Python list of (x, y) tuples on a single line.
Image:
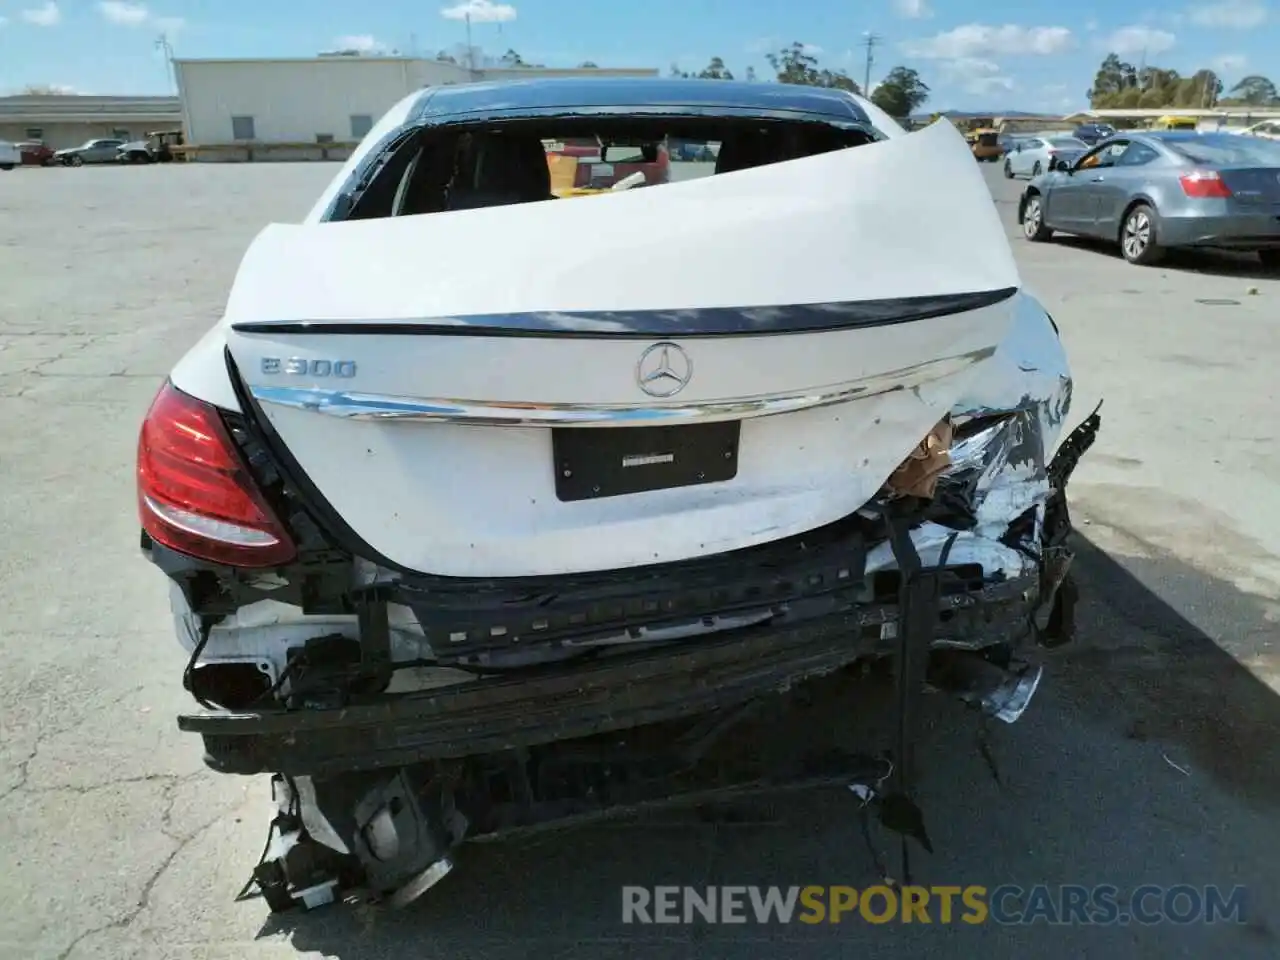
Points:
[(1031, 217), (1137, 234)]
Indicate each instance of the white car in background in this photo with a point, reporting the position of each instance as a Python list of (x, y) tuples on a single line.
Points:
[(1269, 129), (10, 157), (1031, 156)]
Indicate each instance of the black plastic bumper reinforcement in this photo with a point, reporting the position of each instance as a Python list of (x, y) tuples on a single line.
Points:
[(563, 702)]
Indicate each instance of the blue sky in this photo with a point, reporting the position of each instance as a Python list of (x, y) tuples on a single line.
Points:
[(1031, 54)]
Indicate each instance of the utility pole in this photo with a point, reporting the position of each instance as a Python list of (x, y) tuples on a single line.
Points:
[(162, 43), (869, 41), (471, 51)]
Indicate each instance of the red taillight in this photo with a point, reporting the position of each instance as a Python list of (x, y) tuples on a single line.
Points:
[(194, 494), (1204, 184)]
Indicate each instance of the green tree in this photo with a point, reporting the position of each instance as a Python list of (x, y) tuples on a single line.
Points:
[(587, 65), (1199, 91), (1255, 90), (901, 93), (1113, 78), (512, 59), (1128, 99), (794, 64), (1154, 98), (715, 70), (751, 74)]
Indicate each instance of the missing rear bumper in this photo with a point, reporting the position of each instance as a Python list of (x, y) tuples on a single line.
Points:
[(610, 693)]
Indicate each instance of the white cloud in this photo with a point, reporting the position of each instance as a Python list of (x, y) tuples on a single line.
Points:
[(1230, 63), (1091, 26), (1230, 14), (480, 11), (975, 75), (981, 40), (124, 14), (1138, 39), (360, 41), (45, 15), (137, 15), (913, 9)]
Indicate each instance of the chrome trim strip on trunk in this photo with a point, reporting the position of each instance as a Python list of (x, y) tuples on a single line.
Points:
[(499, 413), (654, 324)]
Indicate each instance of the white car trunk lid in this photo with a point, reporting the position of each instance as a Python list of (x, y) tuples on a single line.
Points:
[(435, 376)]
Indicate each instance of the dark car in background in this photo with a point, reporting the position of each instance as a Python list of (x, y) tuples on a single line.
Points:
[(1092, 133), (1154, 191)]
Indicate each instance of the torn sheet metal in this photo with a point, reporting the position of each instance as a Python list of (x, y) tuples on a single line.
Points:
[(1029, 371), (1007, 424)]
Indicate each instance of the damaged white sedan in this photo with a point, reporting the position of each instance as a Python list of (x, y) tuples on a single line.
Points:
[(488, 505)]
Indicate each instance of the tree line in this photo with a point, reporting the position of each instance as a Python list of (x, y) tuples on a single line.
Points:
[(900, 94), (1119, 85)]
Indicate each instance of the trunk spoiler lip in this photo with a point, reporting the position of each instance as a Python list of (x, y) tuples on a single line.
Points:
[(674, 323), (382, 407)]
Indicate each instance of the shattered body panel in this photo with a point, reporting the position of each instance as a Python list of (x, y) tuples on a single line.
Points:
[(408, 690), (993, 528)]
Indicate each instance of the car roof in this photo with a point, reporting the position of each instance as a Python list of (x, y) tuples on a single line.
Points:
[(604, 95), (1182, 136)]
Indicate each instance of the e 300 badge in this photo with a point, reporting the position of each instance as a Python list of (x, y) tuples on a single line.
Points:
[(302, 367)]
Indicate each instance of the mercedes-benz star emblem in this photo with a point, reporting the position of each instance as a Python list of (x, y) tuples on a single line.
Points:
[(664, 370)]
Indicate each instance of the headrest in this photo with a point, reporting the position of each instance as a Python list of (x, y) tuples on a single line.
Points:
[(512, 163)]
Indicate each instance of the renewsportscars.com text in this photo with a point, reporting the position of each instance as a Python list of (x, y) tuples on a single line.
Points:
[(1005, 904)]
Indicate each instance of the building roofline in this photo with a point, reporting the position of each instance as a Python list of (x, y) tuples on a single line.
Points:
[(319, 59), (533, 70)]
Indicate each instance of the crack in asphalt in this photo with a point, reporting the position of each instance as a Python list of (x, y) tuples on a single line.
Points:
[(181, 843), (24, 765)]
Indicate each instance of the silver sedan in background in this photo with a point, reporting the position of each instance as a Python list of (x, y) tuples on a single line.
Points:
[(1032, 156), (1149, 192)]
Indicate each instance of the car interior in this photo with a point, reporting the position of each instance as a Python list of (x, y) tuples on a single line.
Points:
[(460, 168)]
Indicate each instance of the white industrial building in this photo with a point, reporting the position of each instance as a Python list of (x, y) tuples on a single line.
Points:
[(313, 108), (69, 120)]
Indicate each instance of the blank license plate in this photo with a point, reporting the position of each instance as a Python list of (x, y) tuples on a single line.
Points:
[(594, 462)]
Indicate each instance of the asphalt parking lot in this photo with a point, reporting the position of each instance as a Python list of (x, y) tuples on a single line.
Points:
[(1150, 756)]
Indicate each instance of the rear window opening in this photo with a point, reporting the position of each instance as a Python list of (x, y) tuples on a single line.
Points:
[(1227, 150), (461, 167)]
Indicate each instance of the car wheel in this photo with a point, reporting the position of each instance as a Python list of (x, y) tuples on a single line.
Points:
[(1270, 259), (76, 161), (1033, 227), (1037, 169), (6, 166), (1138, 237), (1008, 171)]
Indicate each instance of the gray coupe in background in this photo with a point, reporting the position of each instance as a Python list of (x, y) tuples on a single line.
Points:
[(1153, 191)]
